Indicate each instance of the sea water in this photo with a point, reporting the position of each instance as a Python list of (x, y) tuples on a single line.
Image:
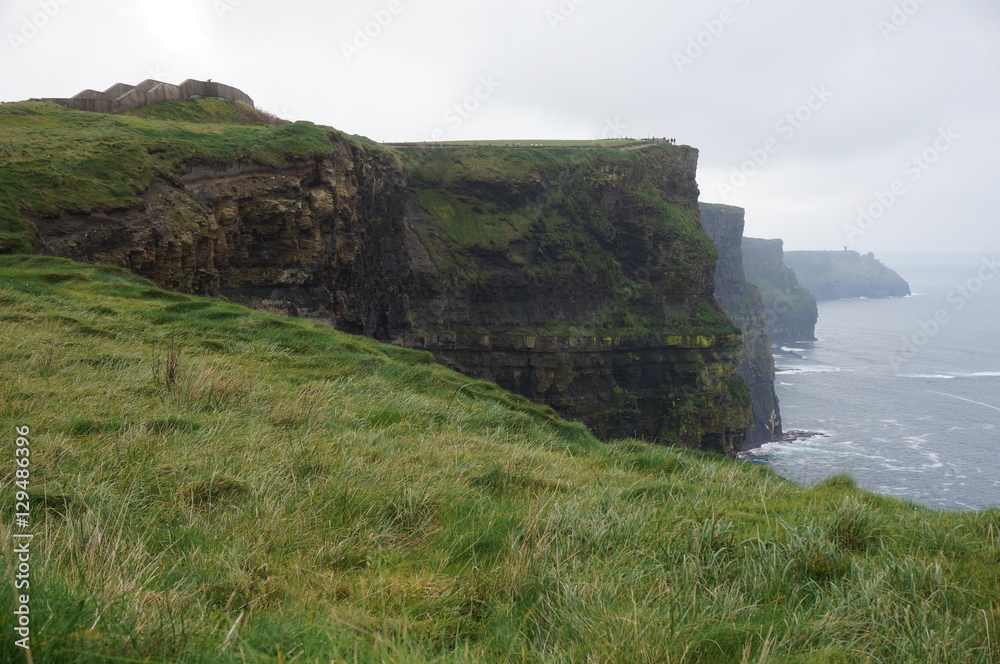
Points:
[(905, 391)]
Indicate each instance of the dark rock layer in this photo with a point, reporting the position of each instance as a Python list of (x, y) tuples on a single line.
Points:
[(741, 300)]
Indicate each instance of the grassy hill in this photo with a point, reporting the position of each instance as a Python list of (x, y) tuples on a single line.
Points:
[(215, 484), (52, 157)]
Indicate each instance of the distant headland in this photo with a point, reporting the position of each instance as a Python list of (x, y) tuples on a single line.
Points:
[(123, 97), (836, 275)]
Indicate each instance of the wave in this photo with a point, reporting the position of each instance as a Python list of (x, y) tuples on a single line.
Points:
[(787, 349), (804, 371), (955, 396), (930, 376)]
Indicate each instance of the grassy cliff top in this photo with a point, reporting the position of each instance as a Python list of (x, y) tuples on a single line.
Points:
[(215, 484), (52, 157)]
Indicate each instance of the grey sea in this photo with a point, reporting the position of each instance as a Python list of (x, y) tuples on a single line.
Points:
[(906, 391)]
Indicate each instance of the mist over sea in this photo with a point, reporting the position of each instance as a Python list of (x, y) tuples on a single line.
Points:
[(906, 390)]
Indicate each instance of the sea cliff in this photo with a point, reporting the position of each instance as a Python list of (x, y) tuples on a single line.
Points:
[(791, 309), (741, 300), (579, 277)]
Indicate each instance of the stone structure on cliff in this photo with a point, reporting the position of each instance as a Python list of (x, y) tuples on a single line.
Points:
[(122, 97), (835, 275), (580, 278), (741, 300), (791, 309)]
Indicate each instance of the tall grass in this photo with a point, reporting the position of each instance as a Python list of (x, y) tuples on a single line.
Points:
[(296, 494)]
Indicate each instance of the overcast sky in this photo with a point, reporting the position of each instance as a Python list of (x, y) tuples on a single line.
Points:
[(805, 113)]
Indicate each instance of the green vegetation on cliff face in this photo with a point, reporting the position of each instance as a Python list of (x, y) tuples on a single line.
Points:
[(595, 253), (212, 484), (554, 215), (594, 256), (52, 158)]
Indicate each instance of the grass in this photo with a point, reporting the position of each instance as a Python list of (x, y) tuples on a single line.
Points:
[(537, 143), (53, 158), (215, 484)]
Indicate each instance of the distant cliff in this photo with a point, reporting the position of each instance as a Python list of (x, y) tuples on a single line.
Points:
[(741, 300), (835, 275), (791, 309), (577, 276)]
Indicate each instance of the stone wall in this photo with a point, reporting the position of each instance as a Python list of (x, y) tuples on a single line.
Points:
[(123, 97)]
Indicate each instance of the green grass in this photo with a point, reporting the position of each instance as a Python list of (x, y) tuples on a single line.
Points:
[(53, 158), (536, 143), (215, 484)]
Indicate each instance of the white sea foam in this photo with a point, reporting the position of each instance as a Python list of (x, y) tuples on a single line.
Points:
[(929, 376), (804, 371), (789, 349)]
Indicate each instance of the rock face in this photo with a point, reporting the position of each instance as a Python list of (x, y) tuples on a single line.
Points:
[(741, 300), (791, 309), (835, 275), (579, 278)]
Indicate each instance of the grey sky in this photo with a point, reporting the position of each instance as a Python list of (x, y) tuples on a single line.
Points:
[(868, 84)]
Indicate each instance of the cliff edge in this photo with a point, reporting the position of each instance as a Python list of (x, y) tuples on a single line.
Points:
[(742, 302)]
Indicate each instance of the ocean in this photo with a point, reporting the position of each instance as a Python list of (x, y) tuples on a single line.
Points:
[(905, 391)]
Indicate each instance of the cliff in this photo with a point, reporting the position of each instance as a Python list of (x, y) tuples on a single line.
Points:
[(742, 302), (791, 309), (579, 277), (835, 275)]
